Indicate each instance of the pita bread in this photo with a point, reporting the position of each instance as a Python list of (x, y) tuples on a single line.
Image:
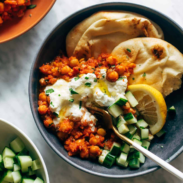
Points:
[(158, 63), (93, 32)]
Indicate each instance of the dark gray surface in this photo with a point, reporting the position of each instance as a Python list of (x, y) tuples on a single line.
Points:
[(172, 143)]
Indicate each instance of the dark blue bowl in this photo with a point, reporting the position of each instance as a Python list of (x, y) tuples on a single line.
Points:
[(172, 141)]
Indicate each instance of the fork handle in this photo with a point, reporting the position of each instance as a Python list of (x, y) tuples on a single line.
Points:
[(159, 161)]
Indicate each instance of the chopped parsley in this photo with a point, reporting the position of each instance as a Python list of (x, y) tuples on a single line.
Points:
[(59, 95), (93, 68), (72, 91), (103, 76), (76, 78), (71, 100), (32, 6), (49, 91), (79, 69), (46, 80), (113, 66), (80, 104), (120, 78), (55, 114), (144, 75), (86, 77), (50, 124), (128, 50), (88, 84), (51, 103), (133, 78), (95, 80)]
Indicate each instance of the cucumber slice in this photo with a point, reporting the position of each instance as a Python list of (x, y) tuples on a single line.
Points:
[(1, 163), (134, 155), (141, 158), (31, 172), (134, 163), (123, 129), (115, 110), (121, 101), (130, 119), (125, 148), (172, 110), (132, 129), (8, 163), (160, 133), (137, 141), (7, 152), (7, 176), (102, 156), (109, 160), (131, 99), (115, 149), (122, 160), (136, 136), (120, 121), (17, 145), (36, 165), (38, 180), (145, 144), (27, 180), (142, 123), (16, 167), (144, 134), (24, 162), (17, 177), (129, 135)]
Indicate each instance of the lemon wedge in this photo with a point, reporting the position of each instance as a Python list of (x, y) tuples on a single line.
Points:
[(151, 106)]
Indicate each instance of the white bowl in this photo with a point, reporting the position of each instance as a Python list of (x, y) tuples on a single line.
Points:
[(9, 132)]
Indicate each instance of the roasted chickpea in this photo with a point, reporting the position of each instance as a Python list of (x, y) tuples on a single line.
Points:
[(94, 149), (42, 82), (111, 60), (120, 69), (42, 96), (61, 135), (48, 122), (65, 70), (112, 76), (42, 109), (101, 132), (93, 141), (73, 62)]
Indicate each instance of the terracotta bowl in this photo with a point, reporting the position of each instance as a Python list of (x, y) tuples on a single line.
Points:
[(16, 27)]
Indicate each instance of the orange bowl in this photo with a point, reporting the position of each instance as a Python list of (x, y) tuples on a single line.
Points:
[(16, 27)]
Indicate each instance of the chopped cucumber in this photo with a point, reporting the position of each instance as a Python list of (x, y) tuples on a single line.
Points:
[(131, 99), (136, 136), (8, 163), (38, 180), (132, 129), (137, 141), (17, 177), (109, 160), (122, 160), (120, 121), (145, 144), (27, 180), (25, 162), (115, 110), (1, 163), (7, 152), (142, 123), (129, 135), (7, 176), (135, 154), (130, 119), (36, 165), (160, 133), (102, 156), (16, 167), (121, 101), (17, 145), (141, 158), (125, 148), (144, 134), (115, 149), (172, 110), (123, 129), (134, 163), (31, 172)]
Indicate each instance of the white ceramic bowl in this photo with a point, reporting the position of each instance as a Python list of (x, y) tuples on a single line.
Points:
[(9, 132)]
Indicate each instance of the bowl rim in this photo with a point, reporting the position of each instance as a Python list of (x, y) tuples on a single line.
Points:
[(27, 29), (31, 142), (179, 151)]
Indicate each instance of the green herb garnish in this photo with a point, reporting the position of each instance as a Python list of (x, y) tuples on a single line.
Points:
[(50, 124), (86, 77), (46, 80), (49, 91), (31, 6), (72, 91), (93, 68), (120, 78), (95, 80), (51, 103), (59, 95), (128, 50), (71, 100), (103, 76), (88, 84), (144, 75), (76, 78), (133, 78), (80, 104), (55, 114), (113, 66)]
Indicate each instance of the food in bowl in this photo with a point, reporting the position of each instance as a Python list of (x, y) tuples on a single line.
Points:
[(16, 165), (13, 8), (90, 77)]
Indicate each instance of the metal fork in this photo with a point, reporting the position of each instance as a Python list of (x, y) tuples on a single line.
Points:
[(108, 124)]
